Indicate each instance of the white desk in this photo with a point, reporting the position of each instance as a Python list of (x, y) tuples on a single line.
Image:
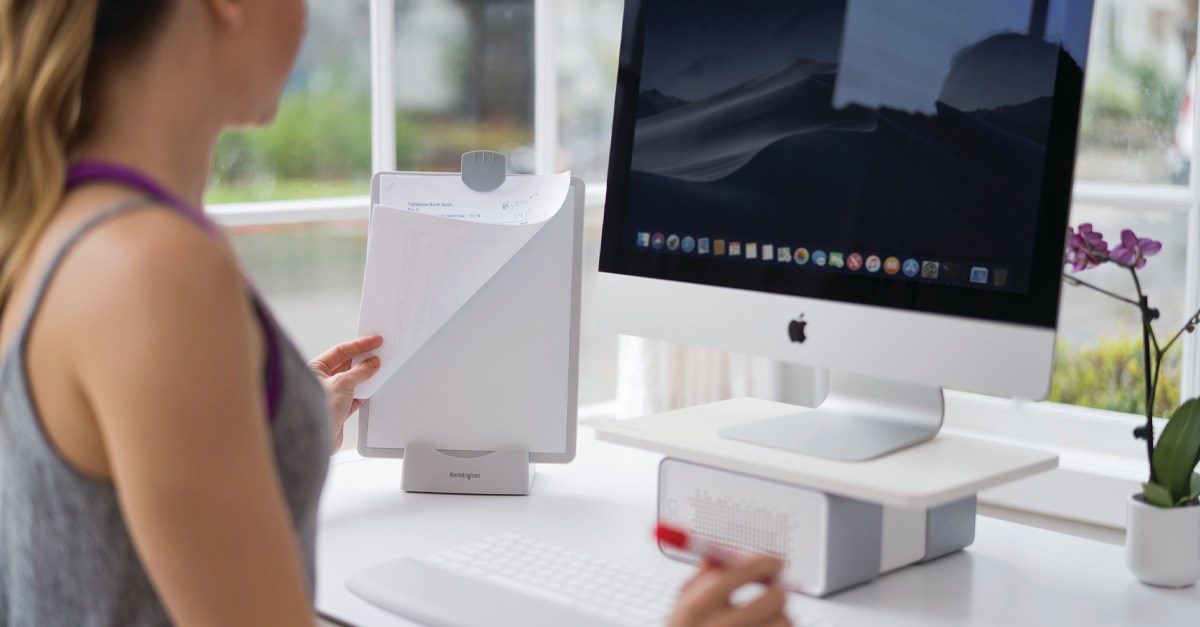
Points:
[(604, 504)]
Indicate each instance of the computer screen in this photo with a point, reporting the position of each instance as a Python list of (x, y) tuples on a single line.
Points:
[(879, 188), (913, 154)]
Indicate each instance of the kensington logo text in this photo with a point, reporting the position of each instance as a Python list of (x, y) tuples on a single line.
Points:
[(464, 475)]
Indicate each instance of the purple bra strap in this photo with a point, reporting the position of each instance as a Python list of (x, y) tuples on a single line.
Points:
[(85, 172)]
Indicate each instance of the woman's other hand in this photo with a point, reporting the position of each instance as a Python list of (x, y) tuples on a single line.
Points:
[(340, 378), (704, 600)]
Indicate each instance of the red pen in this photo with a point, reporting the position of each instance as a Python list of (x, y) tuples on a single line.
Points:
[(709, 551)]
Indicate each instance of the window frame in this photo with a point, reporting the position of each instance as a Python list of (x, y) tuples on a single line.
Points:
[(1100, 461)]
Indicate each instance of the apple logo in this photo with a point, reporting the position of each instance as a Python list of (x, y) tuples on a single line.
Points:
[(796, 330)]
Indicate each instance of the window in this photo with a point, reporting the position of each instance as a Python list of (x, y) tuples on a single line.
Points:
[(1135, 130), (1137, 66), (410, 84), (320, 143), (1133, 171), (311, 274), (464, 81), (1099, 349), (588, 38)]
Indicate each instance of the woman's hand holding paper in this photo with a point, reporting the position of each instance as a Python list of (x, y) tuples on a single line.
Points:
[(340, 376)]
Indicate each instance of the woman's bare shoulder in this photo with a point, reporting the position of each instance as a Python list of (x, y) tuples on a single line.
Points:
[(151, 252), (153, 242), (152, 268)]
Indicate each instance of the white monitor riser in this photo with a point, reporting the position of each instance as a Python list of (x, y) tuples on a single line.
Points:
[(942, 470), (845, 522), (829, 543)]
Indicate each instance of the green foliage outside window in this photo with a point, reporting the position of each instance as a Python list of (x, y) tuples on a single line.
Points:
[(1132, 102), (319, 145), (1108, 375)]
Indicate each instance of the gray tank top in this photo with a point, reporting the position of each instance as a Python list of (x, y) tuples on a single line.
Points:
[(66, 557)]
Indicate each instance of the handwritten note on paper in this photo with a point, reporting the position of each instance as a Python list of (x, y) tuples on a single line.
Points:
[(519, 200), (433, 244)]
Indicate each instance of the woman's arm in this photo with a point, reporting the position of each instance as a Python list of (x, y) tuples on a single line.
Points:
[(171, 361)]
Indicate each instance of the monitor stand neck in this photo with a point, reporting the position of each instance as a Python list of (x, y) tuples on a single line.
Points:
[(862, 418)]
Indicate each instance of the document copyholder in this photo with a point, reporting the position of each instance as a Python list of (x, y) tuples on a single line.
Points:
[(494, 389)]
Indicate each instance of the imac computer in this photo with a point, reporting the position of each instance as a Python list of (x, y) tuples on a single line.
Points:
[(879, 188)]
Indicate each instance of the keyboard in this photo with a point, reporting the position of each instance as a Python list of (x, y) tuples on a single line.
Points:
[(513, 580)]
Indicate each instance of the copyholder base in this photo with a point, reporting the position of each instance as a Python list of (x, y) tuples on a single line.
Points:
[(428, 469)]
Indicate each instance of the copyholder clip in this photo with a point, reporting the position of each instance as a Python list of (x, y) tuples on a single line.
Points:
[(484, 170)]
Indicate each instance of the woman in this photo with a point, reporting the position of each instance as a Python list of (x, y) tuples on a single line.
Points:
[(162, 445)]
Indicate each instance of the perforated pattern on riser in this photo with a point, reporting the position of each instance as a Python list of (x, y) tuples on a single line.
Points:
[(741, 524), (746, 514)]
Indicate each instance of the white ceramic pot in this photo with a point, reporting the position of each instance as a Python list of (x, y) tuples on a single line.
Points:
[(1162, 545)]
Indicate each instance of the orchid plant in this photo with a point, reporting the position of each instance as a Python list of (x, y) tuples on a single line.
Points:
[(1173, 458)]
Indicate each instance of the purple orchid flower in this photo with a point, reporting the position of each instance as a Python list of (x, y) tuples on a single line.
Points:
[(1086, 248), (1133, 250)]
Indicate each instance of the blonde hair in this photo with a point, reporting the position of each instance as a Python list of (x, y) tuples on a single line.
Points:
[(44, 50), (52, 53)]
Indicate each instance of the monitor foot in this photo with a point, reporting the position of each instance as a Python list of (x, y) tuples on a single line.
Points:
[(862, 418)]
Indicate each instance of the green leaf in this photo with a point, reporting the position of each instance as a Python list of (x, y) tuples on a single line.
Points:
[(1157, 495), (1195, 494), (1178, 451)]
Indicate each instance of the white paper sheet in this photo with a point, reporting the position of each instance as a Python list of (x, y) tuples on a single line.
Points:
[(433, 243)]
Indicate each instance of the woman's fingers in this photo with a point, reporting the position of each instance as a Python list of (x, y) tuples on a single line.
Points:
[(710, 589), (337, 359), (705, 598), (343, 384), (341, 379), (759, 568), (765, 610), (701, 574)]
